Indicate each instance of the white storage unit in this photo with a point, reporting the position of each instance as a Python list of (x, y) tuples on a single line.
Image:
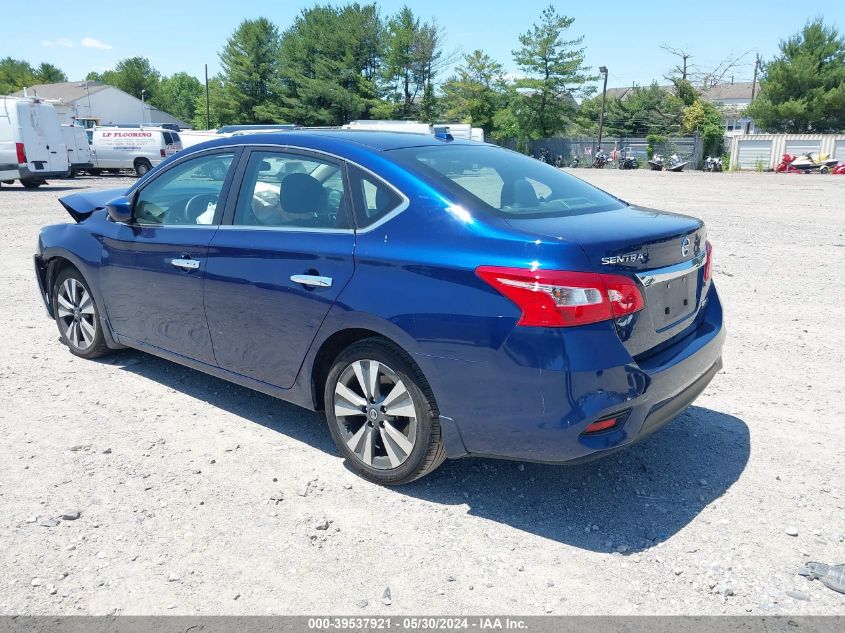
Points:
[(797, 147), (839, 151), (753, 153)]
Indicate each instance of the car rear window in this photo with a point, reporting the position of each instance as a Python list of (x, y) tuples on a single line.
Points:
[(168, 138), (504, 182)]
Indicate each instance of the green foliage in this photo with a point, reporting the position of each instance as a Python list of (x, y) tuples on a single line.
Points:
[(132, 75), (803, 89), (555, 74), (475, 92), (643, 111), (251, 77), (329, 60), (703, 117), (412, 56), (17, 74), (652, 141), (178, 95)]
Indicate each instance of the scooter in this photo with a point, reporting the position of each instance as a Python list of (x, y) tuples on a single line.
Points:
[(713, 163), (812, 162), (576, 162), (675, 163), (559, 161), (655, 163)]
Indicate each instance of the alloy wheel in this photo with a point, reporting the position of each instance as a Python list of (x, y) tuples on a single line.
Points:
[(375, 414), (76, 315)]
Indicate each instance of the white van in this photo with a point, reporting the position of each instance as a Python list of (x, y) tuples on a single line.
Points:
[(78, 149), (139, 149), (31, 145)]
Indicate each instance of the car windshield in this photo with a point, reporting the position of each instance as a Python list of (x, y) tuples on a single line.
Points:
[(504, 182)]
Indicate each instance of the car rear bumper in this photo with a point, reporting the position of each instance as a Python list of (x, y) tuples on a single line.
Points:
[(517, 410)]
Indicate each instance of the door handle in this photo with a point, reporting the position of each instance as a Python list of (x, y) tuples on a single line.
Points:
[(312, 280), (185, 264)]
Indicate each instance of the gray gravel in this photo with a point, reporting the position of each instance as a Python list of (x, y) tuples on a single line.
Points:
[(198, 496)]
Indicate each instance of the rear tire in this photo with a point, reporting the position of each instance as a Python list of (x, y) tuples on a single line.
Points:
[(77, 315), (386, 427), (142, 167)]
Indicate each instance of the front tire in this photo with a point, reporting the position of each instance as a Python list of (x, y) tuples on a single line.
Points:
[(77, 315), (382, 414)]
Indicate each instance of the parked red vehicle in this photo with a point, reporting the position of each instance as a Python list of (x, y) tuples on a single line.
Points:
[(785, 165), (839, 170)]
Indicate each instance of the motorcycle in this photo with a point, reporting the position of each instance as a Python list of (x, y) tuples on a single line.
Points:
[(600, 160), (559, 161), (811, 162), (713, 163), (628, 161), (655, 163), (576, 162), (545, 156)]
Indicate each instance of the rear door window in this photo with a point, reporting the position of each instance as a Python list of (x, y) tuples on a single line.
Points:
[(374, 198)]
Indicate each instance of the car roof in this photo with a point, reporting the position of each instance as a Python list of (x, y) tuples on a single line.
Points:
[(337, 139)]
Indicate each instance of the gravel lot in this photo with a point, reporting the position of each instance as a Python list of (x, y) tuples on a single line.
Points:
[(200, 497)]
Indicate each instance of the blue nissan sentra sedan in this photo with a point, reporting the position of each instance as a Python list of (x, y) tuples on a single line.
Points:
[(434, 297)]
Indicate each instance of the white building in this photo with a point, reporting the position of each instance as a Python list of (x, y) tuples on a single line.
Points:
[(110, 105)]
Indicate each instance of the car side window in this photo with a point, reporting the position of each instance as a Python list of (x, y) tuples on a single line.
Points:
[(376, 198), (291, 190), (185, 195)]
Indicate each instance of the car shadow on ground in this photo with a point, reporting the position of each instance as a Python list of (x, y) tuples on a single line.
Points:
[(627, 502)]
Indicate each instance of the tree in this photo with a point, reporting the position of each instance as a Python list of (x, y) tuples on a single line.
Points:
[(49, 74), (218, 107), (17, 74), (803, 89), (178, 95), (703, 117), (555, 74), (476, 91), (134, 75), (330, 61), (251, 78), (412, 58), (644, 111)]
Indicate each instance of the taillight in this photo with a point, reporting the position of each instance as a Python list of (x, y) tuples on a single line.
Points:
[(708, 265), (559, 298), (163, 153), (21, 150), (601, 425)]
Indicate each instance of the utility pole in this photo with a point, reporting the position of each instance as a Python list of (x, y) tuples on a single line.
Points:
[(143, 116), (207, 109), (753, 89), (754, 82), (603, 71)]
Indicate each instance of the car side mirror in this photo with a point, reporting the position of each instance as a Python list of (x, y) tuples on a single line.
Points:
[(120, 210)]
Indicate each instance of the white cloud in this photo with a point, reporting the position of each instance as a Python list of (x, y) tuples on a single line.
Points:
[(62, 41), (90, 42)]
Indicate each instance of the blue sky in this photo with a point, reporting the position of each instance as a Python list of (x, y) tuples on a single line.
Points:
[(624, 36)]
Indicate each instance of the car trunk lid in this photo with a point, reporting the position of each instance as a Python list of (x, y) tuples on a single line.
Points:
[(664, 251)]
